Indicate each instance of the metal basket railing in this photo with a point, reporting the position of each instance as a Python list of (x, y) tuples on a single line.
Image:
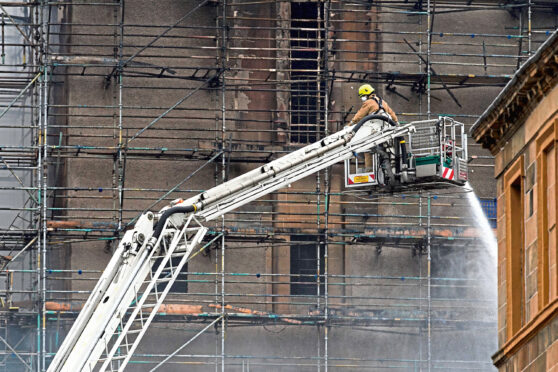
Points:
[(425, 140)]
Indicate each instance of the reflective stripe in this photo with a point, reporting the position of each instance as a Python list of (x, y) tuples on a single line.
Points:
[(447, 173)]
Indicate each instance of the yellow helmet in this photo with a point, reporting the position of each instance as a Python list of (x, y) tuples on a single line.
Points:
[(365, 90)]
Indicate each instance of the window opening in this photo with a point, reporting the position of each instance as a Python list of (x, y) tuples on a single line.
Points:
[(304, 263), (516, 302), (489, 207), (307, 89)]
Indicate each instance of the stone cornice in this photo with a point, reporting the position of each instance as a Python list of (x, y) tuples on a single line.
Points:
[(528, 87)]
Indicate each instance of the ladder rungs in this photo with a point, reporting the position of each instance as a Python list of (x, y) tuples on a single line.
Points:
[(160, 280), (179, 254), (148, 306), (119, 357)]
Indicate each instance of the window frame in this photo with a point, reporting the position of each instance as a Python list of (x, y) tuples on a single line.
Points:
[(515, 248), (545, 140)]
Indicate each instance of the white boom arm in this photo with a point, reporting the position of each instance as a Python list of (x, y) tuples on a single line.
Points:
[(142, 270)]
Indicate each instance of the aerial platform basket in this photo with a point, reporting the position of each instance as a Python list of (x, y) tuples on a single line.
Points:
[(432, 156)]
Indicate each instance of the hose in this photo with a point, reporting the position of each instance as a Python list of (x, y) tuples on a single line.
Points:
[(166, 214), (397, 150), (372, 117), (404, 155)]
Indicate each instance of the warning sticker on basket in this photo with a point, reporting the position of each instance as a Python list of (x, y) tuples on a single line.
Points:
[(362, 178)]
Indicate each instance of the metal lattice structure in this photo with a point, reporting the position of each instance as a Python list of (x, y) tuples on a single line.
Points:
[(112, 108)]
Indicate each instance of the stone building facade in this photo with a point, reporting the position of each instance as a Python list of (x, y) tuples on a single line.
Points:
[(141, 102), (521, 130)]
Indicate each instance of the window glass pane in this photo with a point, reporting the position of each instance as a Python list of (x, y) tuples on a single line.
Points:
[(304, 265)]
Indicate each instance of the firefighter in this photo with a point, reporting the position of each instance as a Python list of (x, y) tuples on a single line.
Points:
[(372, 104)]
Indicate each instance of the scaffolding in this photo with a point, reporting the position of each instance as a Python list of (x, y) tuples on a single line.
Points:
[(112, 108)]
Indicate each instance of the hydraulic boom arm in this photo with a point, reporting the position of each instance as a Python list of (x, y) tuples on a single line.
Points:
[(143, 268)]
